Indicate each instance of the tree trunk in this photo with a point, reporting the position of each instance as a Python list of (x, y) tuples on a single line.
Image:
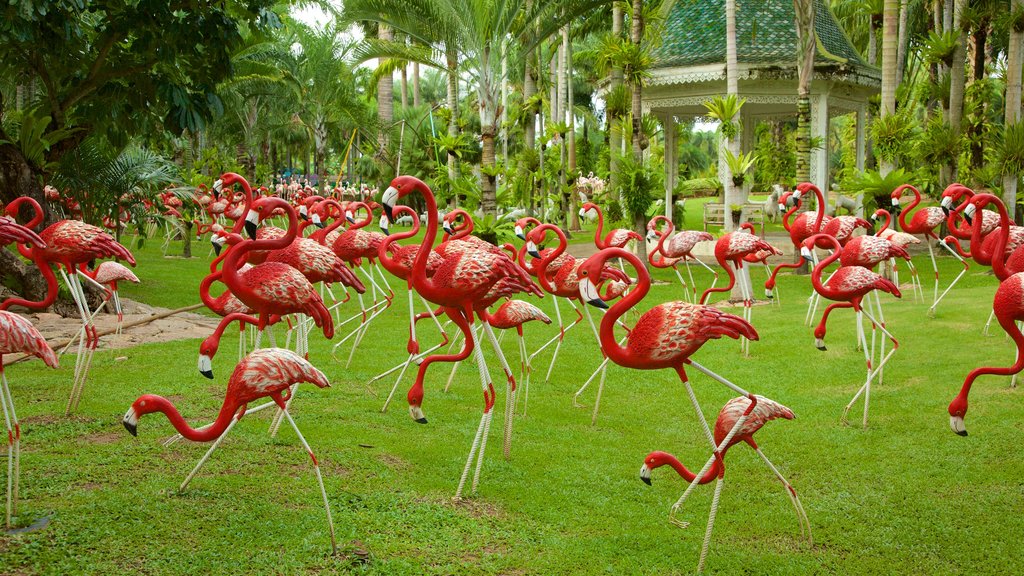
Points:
[(730, 144), (186, 237), (17, 178), (978, 123), (416, 94), (1015, 49), (453, 125), (805, 71), (872, 45), (957, 81), (636, 36), (614, 122), (385, 97), (405, 87), (902, 38), (488, 200), (890, 38)]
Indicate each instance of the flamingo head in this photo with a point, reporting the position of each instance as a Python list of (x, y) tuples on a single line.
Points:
[(969, 211), (586, 208), (400, 186), (447, 225), (533, 238), (145, 404), (653, 460), (228, 179), (588, 273), (261, 210), (303, 212), (522, 223), (207, 350), (218, 241), (786, 201), (415, 398), (957, 411)]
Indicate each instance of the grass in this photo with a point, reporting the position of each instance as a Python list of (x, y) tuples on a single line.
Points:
[(904, 496)]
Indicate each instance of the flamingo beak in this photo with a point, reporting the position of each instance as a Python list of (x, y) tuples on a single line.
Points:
[(384, 224), (946, 203), (316, 220), (532, 249), (417, 414), (590, 295), (805, 253), (583, 213), (651, 236), (895, 201), (348, 216), (388, 200), (447, 227), (957, 424), (131, 422), (216, 247), (252, 219), (206, 366), (303, 212), (519, 233), (645, 474), (218, 185)]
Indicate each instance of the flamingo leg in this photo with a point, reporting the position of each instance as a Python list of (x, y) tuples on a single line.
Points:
[(319, 480), (8, 411), (527, 369), (686, 291), (935, 268), (1013, 379), (872, 374), (480, 439), (561, 329), (814, 263), (931, 311), (76, 391), (709, 269), (719, 484), (991, 315), (510, 389), (801, 516), (209, 452)]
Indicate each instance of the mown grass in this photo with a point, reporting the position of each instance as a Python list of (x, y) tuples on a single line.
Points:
[(904, 496)]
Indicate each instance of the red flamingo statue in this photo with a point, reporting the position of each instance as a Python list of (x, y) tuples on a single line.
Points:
[(925, 221), (670, 251), (268, 372), (901, 239), (69, 243), (513, 314), (727, 434), (667, 335), (804, 226), (848, 286), (616, 238), (458, 283), (731, 249), (109, 273), (270, 288)]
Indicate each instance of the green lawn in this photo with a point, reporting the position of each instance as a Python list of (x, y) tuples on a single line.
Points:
[(905, 496)]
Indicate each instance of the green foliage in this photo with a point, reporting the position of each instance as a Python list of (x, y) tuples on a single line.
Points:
[(638, 185), (1010, 149), (939, 47), (696, 187), (776, 160), (894, 136), (938, 144), (493, 230), (739, 165), (877, 189), (33, 139), (725, 110)]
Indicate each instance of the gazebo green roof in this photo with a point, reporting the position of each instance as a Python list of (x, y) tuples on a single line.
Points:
[(694, 35)]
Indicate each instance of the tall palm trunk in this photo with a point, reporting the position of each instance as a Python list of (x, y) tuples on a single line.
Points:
[(902, 37), (416, 95), (405, 87), (574, 215), (488, 94), (890, 38), (1013, 100), (804, 10), (451, 60), (957, 81), (614, 122), (978, 73), (385, 97), (636, 36)]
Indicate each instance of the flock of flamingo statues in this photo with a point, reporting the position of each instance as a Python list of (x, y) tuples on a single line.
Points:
[(272, 275)]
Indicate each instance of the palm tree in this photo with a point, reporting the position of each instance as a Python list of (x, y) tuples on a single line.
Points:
[(957, 77), (475, 33), (806, 47), (890, 36), (385, 95), (1013, 95)]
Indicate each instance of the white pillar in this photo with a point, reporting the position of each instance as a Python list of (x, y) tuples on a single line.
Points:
[(819, 132), (669, 124)]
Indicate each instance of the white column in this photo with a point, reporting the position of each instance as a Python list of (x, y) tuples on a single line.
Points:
[(669, 124), (819, 132)]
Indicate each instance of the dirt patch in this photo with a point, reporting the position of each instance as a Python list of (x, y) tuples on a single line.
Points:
[(105, 438), (185, 325), (41, 420), (393, 462), (89, 486)]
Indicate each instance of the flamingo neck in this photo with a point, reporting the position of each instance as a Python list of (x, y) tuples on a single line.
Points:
[(204, 290), (816, 273), (998, 255), (236, 255), (212, 432), (720, 257), (418, 275), (619, 354), (240, 223), (37, 214), (390, 244), (684, 472), (600, 228), (51, 285), (1015, 334), (913, 204), (542, 268), (669, 228), (790, 212), (821, 209), (365, 221), (887, 220)]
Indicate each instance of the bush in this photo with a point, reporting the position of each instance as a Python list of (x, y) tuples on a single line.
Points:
[(698, 187)]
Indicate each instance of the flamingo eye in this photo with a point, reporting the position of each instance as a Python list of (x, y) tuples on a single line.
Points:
[(583, 272), (143, 403)]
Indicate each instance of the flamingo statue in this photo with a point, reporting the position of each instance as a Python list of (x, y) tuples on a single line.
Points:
[(459, 282), (846, 289), (901, 239), (732, 248), (268, 372), (109, 273), (671, 251), (1008, 307), (270, 288), (805, 225), (616, 238), (925, 221), (69, 243), (513, 314), (665, 336), (727, 435)]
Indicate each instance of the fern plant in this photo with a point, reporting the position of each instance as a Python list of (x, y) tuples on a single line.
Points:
[(726, 109), (739, 165)]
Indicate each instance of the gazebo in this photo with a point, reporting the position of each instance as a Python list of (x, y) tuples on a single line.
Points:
[(690, 69)]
